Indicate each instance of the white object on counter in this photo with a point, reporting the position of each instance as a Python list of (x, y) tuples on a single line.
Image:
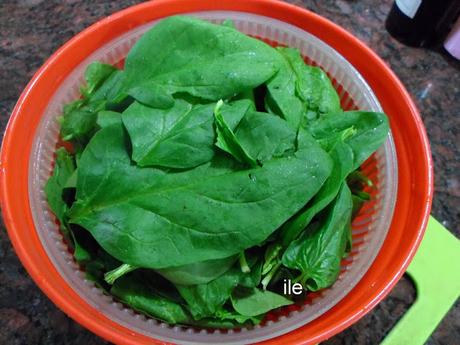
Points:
[(452, 43)]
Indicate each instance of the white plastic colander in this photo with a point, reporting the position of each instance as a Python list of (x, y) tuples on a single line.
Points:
[(369, 228)]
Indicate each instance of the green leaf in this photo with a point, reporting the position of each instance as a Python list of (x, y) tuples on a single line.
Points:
[(282, 98), (300, 91), (370, 130), (79, 121), (227, 140), (183, 54), (95, 74), (240, 319), (141, 292), (252, 278), (142, 216), (64, 168), (69, 107), (312, 85), (214, 323), (106, 118), (153, 95), (111, 91), (80, 253), (79, 124), (142, 297), (198, 272), (265, 136), (342, 157), (252, 137), (318, 252), (179, 137), (204, 300), (254, 302), (234, 111)]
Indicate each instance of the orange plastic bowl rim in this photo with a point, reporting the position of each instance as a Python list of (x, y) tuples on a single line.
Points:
[(415, 168)]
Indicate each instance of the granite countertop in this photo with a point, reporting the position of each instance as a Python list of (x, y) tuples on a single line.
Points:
[(30, 30)]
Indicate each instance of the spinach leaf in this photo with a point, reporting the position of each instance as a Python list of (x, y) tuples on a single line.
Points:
[(81, 254), (282, 98), (142, 297), (179, 137), (234, 111), (207, 300), (111, 91), (252, 278), (254, 302), (210, 212), (370, 129), (79, 124), (141, 292), (300, 91), (265, 136), (55, 189), (257, 138), (246, 95), (64, 168), (204, 300), (318, 252), (227, 140), (342, 157), (183, 54), (198, 272), (312, 86), (214, 323), (225, 314), (95, 74), (69, 107), (107, 117), (80, 118), (152, 94)]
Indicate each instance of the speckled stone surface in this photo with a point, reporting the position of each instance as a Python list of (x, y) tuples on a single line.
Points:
[(30, 30)]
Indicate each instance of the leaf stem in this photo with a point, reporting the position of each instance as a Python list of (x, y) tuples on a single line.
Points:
[(270, 275), (121, 270), (271, 256), (244, 264)]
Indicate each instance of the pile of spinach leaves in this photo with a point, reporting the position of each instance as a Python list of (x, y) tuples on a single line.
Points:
[(209, 169)]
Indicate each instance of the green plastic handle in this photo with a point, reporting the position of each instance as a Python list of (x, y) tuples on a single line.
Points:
[(436, 274)]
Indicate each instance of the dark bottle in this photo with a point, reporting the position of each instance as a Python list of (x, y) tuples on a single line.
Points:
[(422, 22)]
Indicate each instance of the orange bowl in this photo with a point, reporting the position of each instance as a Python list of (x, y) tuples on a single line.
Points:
[(415, 176)]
